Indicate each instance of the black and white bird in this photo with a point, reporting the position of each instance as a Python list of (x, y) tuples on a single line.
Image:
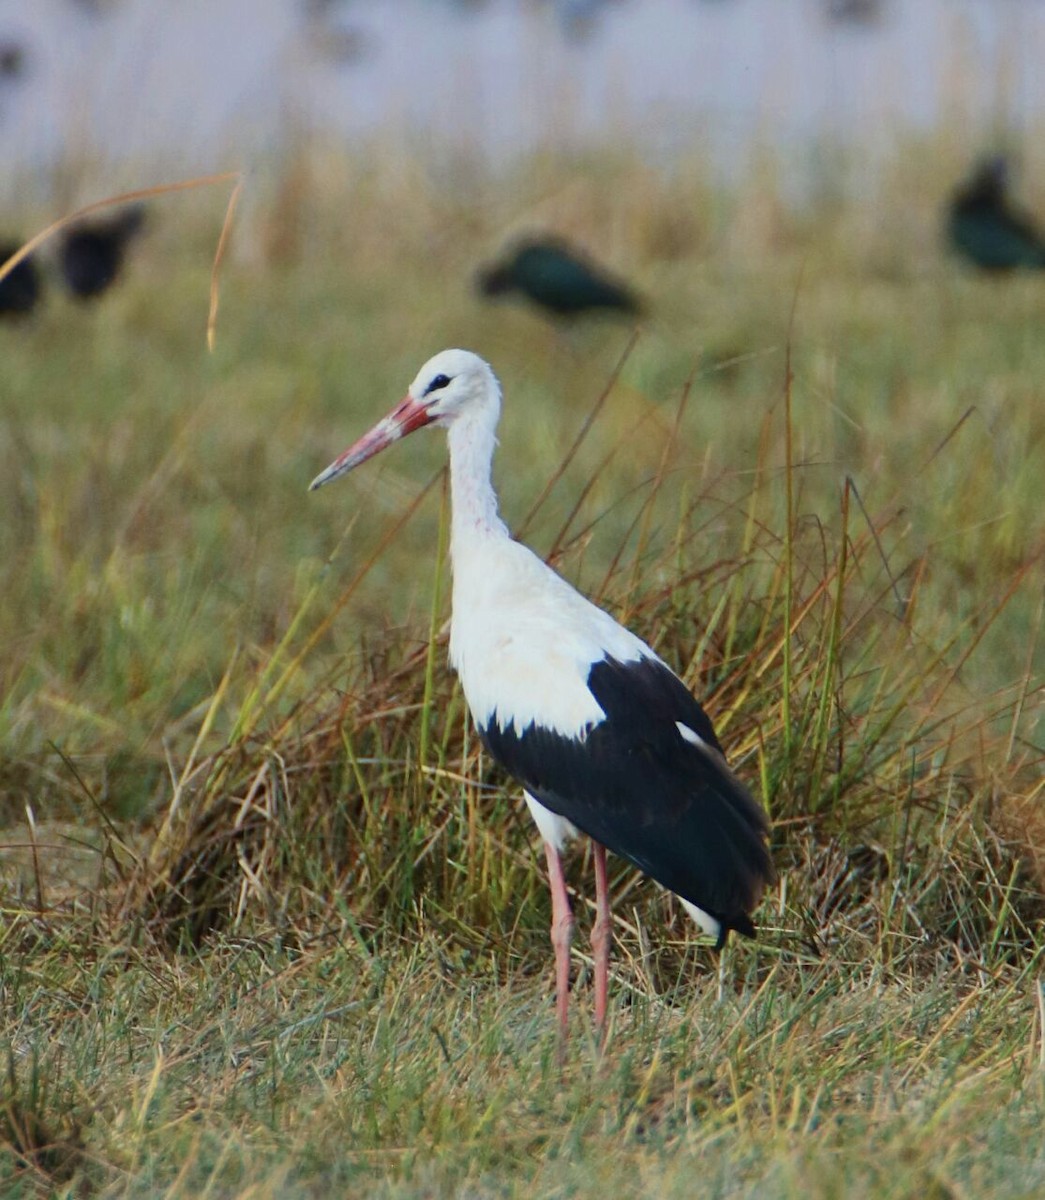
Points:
[(604, 738)]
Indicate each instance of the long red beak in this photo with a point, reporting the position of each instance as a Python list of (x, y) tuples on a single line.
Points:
[(407, 416)]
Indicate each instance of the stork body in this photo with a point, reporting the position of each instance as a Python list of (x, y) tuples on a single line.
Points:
[(602, 735)]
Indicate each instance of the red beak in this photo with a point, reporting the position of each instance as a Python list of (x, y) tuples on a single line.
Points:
[(407, 416)]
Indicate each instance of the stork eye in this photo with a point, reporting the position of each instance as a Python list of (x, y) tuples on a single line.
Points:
[(439, 382)]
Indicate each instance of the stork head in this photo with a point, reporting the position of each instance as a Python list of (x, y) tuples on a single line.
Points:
[(451, 385)]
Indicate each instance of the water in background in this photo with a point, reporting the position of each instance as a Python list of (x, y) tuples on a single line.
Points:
[(136, 90)]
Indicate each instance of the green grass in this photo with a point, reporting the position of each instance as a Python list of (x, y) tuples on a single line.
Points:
[(390, 1070), (273, 927)]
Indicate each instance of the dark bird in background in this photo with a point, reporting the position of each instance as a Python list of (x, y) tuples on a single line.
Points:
[(96, 8), (984, 227), (19, 290), (12, 60), (91, 253), (558, 279), (863, 13)]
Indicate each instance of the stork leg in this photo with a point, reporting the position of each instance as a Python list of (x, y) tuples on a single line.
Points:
[(562, 935), (601, 937)]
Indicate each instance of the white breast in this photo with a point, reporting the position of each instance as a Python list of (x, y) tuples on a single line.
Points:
[(523, 640)]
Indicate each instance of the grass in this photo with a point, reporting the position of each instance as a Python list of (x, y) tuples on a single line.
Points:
[(273, 925)]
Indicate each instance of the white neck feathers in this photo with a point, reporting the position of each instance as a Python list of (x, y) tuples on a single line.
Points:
[(474, 502)]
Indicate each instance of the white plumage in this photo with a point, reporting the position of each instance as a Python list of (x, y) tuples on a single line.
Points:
[(523, 641), (601, 734)]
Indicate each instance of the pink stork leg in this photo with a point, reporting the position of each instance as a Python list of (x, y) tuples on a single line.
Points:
[(562, 935), (601, 936)]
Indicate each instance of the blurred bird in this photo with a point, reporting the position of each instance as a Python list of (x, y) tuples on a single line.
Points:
[(20, 289), (984, 228), (863, 13), (577, 18), (558, 279), (95, 8), (12, 59), (92, 252)]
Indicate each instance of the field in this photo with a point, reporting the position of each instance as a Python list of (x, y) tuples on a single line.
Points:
[(272, 925)]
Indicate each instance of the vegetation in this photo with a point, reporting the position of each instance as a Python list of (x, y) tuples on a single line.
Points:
[(273, 927)]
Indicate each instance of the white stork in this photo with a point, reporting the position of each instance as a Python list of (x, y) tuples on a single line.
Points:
[(602, 735)]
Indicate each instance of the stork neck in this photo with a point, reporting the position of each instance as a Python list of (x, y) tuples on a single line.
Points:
[(474, 502)]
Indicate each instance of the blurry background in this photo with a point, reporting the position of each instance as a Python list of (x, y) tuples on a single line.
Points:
[(193, 86)]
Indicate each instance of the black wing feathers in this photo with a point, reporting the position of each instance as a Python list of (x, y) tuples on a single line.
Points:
[(636, 785)]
